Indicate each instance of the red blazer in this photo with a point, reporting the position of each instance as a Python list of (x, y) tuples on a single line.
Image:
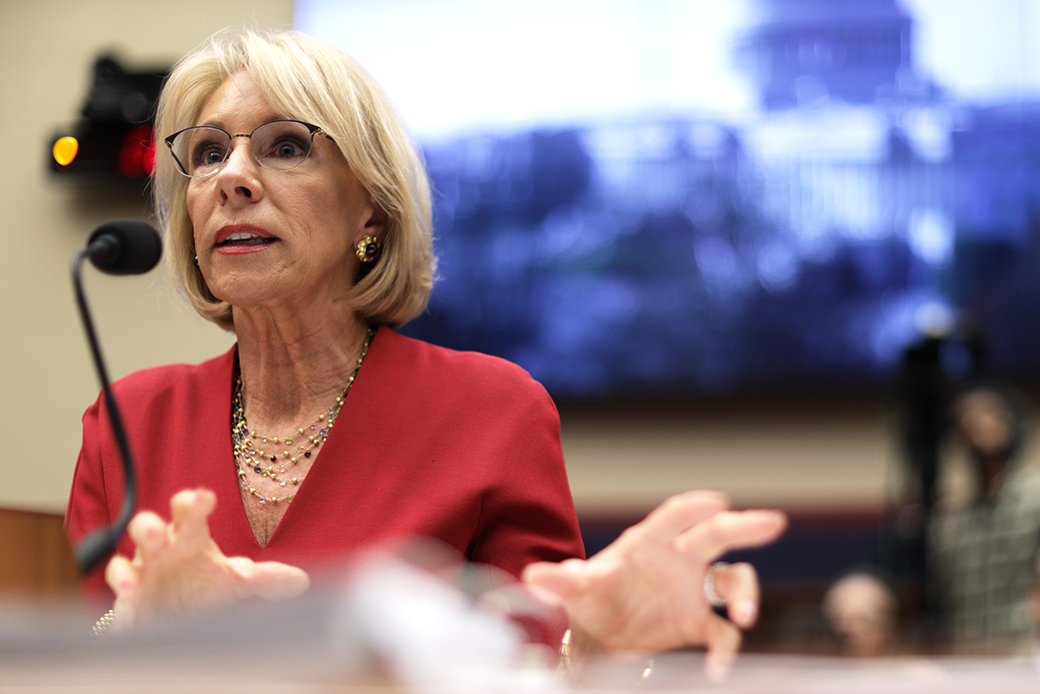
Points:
[(461, 447)]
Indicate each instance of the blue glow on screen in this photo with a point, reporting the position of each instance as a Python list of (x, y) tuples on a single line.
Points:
[(698, 197)]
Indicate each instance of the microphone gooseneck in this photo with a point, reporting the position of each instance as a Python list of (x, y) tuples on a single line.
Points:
[(118, 248)]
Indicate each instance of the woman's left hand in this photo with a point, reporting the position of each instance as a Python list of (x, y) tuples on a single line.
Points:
[(645, 592)]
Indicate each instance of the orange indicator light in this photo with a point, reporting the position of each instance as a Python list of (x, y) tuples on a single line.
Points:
[(65, 150)]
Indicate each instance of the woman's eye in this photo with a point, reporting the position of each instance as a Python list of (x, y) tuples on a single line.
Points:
[(208, 155), (288, 149)]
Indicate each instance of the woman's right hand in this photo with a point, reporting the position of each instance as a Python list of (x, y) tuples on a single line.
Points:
[(178, 569)]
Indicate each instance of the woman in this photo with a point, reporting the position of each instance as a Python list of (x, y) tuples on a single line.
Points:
[(297, 215), (984, 535)]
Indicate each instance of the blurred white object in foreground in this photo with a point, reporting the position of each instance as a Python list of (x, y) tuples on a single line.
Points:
[(430, 634)]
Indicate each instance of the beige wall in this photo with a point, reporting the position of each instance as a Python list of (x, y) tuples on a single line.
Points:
[(802, 453), (793, 455), (46, 380)]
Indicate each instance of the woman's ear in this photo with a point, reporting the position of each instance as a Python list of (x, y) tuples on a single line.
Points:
[(376, 223), (370, 246)]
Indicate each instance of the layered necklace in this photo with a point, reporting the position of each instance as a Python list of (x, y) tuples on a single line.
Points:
[(277, 463)]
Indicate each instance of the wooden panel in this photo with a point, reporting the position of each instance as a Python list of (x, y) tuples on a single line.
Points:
[(38, 569)]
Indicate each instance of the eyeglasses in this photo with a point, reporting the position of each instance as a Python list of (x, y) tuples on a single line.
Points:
[(281, 145)]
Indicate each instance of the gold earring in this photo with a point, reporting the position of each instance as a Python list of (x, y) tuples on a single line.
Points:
[(368, 249)]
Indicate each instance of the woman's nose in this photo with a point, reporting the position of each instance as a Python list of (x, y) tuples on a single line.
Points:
[(239, 177)]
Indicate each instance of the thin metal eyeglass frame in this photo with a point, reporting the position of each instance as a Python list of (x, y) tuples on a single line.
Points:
[(182, 169)]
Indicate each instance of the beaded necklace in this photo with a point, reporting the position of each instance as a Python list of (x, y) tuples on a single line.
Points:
[(302, 444)]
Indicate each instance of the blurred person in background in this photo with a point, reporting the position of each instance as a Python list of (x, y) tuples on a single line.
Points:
[(985, 529), (862, 613)]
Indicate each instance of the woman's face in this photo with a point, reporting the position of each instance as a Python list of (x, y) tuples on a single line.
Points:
[(275, 238), (985, 422)]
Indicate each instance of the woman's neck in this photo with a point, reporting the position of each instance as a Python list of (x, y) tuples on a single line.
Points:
[(293, 369), (992, 470)]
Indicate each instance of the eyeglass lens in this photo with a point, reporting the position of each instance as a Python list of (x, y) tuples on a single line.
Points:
[(279, 145)]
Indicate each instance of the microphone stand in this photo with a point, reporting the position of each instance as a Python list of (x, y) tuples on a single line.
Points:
[(101, 543)]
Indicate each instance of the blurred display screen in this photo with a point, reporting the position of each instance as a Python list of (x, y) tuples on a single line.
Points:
[(652, 197)]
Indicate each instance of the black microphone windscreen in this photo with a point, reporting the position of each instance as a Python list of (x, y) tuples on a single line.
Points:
[(124, 247)]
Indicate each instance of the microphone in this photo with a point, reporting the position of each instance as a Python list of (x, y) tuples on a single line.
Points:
[(122, 247)]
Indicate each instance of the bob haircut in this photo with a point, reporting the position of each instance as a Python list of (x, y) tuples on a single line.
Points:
[(309, 80)]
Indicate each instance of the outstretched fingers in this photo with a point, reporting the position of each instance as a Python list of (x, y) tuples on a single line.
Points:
[(270, 580), (178, 569), (737, 586), (723, 642), (554, 582), (190, 510), (124, 579), (730, 530), (149, 533), (680, 513)]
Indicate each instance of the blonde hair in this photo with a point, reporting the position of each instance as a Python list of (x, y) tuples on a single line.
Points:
[(307, 79)]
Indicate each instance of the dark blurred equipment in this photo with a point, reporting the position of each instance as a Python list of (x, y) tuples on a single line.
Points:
[(931, 369), (113, 139), (923, 384)]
